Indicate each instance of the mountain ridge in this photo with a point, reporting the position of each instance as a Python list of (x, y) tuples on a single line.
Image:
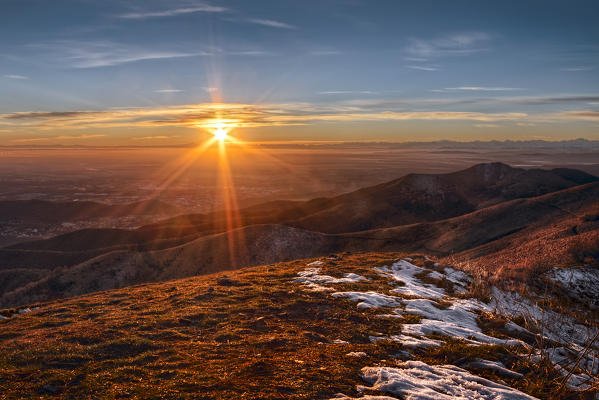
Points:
[(488, 225)]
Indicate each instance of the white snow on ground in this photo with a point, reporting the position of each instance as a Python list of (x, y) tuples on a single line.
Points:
[(409, 342), (554, 326), (370, 299), (403, 271), (19, 312), (415, 380), (564, 359), (344, 397), (311, 278), (457, 276), (559, 328), (456, 320), (495, 366), (314, 263), (581, 283), (434, 327), (445, 315)]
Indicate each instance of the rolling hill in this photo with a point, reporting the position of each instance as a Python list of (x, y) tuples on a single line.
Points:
[(478, 216)]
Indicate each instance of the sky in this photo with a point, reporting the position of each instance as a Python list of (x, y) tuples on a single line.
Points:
[(147, 72)]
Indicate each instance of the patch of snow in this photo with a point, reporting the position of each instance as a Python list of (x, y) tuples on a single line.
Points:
[(564, 359), (341, 396), (404, 271), (581, 283), (436, 327), (416, 380), (357, 354), (411, 342), (456, 276), (339, 341), (314, 263), (554, 326), (370, 299), (313, 280), (495, 366), (456, 320), (459, 311), (19, 312)]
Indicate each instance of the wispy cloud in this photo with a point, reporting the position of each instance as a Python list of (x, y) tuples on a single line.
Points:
[(458, 44), (28, 140), (476, 101), (157, 137), (283, 114), (577, 69), (18, 77), (241, 115), (61, 137), (334, 92), (168, 91), (325, 52), (172, 12), (271, 23), (589, 115), (79, 136), (95, 54), (486, 126), (483, 89), (422, 67)]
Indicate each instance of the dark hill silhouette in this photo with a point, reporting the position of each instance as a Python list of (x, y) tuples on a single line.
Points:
[(475, 214), (411, 199)]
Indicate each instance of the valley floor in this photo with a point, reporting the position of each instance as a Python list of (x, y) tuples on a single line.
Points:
[(375, 325)]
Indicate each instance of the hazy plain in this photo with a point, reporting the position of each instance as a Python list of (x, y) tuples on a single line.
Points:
[(193, 180)]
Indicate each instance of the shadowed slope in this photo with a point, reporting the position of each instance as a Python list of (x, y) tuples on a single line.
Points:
[(94, 259), (411, 199), (507, 228)]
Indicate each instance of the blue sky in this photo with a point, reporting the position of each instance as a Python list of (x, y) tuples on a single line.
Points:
[(124, 71)]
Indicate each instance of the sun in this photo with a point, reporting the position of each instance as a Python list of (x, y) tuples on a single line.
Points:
[(220, 133), (220, 129)]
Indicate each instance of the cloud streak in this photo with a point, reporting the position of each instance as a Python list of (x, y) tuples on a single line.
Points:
[(335, 92), (422, 68), (168, 91), (458, 44), (95, 54), (271, 23), (577, 69), (483, 89), (173, 12), (242, 115), (17, 77)]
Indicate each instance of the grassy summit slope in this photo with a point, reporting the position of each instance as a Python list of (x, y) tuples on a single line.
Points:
[(255, 334)]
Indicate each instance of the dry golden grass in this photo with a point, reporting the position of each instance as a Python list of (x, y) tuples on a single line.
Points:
[(255, 335)]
